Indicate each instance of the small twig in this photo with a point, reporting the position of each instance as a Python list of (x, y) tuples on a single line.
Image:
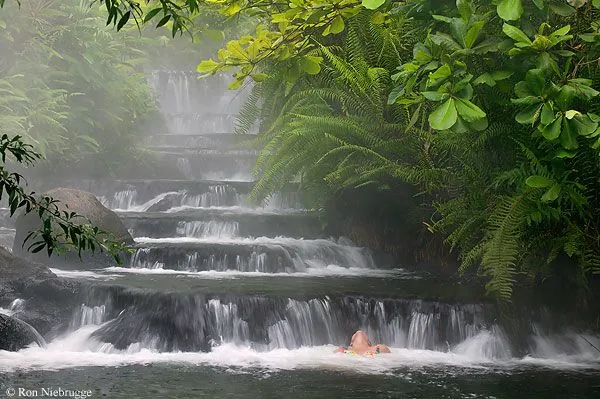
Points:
[(592, 345)]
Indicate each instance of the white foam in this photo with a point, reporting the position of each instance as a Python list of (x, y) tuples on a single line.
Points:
[(78, 349), (279, 240), (238, 177), (16, 306), (488, 344), (236, 209), (82, 274), (331, 270)]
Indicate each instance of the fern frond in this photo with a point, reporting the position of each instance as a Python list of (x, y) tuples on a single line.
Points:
[(501, 250)]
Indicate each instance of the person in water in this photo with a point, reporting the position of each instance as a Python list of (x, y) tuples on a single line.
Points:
[(360, 345)]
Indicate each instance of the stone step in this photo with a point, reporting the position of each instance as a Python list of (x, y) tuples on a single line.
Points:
[(205, 152), (265, 255), (394, 283), (222, 222), (199, 123), (127, 194), (215, 140), (211, 165), (175, 320)]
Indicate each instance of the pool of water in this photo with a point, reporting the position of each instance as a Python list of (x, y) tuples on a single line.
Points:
[(188, 380), (160, 329)]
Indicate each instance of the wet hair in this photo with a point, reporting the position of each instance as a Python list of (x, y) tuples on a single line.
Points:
[(362, 333)]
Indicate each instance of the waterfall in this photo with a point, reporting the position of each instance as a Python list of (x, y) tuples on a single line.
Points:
[(217, 195), (488, 344), (124, 199), (268, 255), (16, 306), (229, 327), (269, 323), (305, 323), (137, 197), (191, 105), (87, 315), (212, 228), (190, 322), (183, 165)]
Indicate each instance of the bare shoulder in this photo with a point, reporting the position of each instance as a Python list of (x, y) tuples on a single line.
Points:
[(383, 348)]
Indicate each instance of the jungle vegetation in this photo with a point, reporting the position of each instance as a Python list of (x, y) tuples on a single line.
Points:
[(75, 102), (71, 87), (489, 108)]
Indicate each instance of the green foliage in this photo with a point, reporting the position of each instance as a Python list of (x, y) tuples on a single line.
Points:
[(72, 88), (527, 187), (334, 130), (72, 91), (490, 108), (496, 122), (284, 30)]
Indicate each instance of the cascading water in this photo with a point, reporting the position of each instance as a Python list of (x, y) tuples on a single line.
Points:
[(12, 327), (214, 195), (221, 291), (268, 324), (16, 306), (132, 321), (183, 165), (89, 316), (211, 228), (125, 199), (241, 254), (189, 103), (218, 195)]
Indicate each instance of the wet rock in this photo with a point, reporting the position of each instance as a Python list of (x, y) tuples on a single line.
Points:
[(49, 301), (82, 203), (19, 270), (169, 201), (16, 334)]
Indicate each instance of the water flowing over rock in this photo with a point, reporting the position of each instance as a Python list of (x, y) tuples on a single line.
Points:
[(261, 255), (189, 104), (170, 322), (49, 299), (218, 283), (16, 334)]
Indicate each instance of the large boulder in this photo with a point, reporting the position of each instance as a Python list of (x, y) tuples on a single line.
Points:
[(47, 302), (16, 334), (84, 204), (16, 269)]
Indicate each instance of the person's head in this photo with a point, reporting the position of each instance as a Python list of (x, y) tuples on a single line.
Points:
[(360, 340)]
